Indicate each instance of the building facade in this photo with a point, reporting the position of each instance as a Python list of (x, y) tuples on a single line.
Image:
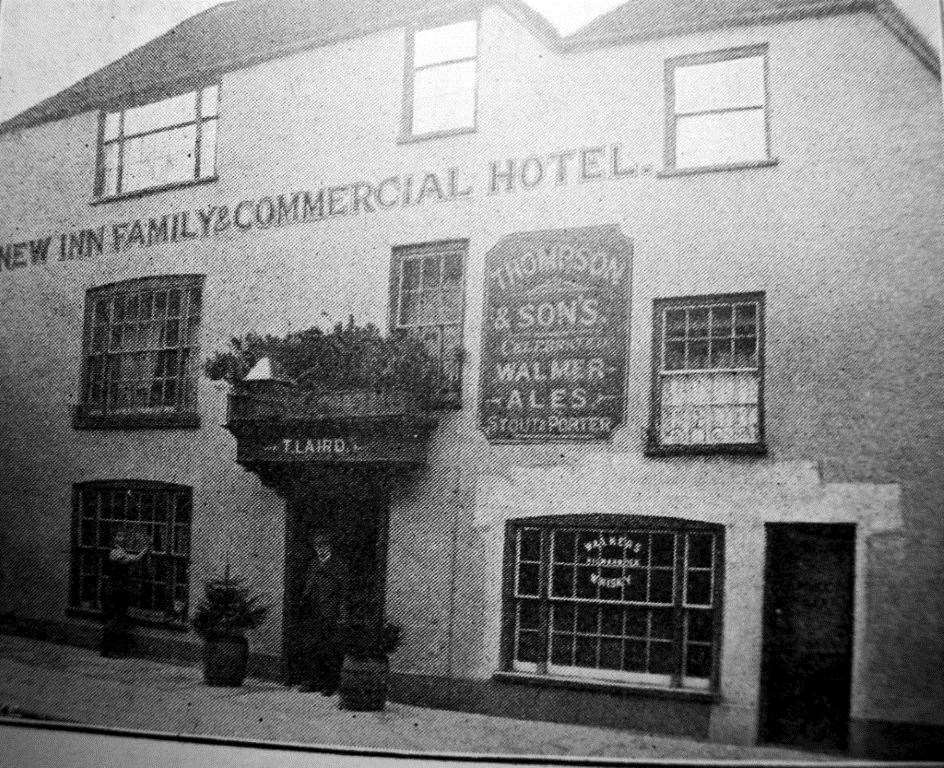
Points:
[(693, 480)]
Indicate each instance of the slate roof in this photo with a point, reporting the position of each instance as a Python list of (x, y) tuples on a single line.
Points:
[(240, 33), (646, 19)]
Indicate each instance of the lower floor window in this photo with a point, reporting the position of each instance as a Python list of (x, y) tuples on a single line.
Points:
[(147, 514), (634, 600)]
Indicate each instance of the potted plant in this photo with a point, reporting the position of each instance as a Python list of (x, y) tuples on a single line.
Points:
[(366, 668), (222, 617)]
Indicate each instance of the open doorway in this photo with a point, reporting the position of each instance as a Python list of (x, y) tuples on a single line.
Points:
[(806, 677), (345, 508)]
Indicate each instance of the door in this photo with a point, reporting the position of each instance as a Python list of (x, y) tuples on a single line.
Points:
[(807, 648), (350, 511)]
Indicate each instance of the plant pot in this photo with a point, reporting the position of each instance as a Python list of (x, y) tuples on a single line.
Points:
[(225, 660), (363, 684)]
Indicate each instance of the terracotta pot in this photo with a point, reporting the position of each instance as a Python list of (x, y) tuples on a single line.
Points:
[(225, 660), (363, 684)]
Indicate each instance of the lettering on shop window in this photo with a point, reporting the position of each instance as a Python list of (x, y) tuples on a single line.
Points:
[(552, 171), (554, 341), (613, 552)]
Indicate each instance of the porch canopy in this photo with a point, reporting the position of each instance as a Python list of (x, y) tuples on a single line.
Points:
[(283, 431)]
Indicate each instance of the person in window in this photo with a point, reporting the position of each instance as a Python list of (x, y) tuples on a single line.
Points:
[(116, 634), (323, 599)]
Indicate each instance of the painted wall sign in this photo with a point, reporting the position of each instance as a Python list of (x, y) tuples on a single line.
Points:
[(555, 334), (554, 170)]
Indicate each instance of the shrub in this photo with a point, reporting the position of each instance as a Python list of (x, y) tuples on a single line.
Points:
[(228, 608)]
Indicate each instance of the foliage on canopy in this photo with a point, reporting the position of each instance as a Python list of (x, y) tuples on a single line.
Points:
[(348, 356)]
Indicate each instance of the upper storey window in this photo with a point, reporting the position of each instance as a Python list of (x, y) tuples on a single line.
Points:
[(708, 374), (160, 144), (140, 354), (441, 79), (716, 107)]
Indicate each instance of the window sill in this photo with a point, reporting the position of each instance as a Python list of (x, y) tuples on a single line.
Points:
[(153, 190), (127, 421), (719, 449), (156, 621), (671, 172), (605, 686), (407, 138)]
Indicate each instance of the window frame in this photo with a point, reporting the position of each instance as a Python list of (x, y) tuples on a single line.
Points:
[(550, 523), (153, 97), (654, 446), (407, 134), (148, 617), (86, 416), (671, 118), (450, 397)]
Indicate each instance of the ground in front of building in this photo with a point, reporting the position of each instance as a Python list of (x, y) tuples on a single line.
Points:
[(75, 684)]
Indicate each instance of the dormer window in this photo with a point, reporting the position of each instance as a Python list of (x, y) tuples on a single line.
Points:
[(441, 80), (159, 144)]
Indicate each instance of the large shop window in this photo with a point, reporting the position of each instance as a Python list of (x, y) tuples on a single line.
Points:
[(613, 598), (149, 513), (161, 144), (716, 110), (708, 375), (140, 354), (441, 80), (426, 301)]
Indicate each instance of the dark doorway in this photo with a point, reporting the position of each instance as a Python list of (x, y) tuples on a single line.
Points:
[(347, 506), (807, 649)]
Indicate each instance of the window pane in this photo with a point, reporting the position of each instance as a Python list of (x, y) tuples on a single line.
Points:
[(112, 124), (529, 545), (699, 626), (698, 660), (732, 84), (699, 550), (444, 97), (661, 658), (159, 158), (446, 43), (210, 101), (718, 139), (110, 169), (527, 646), (529, 614), (528, 579), (698, 588), (207, 149), (172, 111), (562, 650), (701, 408)]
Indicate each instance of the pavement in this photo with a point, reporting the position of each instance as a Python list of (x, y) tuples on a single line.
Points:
[(62, 682)]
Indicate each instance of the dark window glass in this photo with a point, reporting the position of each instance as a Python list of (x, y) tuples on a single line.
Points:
[(144, 513), (623, 603), (147, 363)]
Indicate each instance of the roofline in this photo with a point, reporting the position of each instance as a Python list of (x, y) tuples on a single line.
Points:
[(885, 10), (541, 28)]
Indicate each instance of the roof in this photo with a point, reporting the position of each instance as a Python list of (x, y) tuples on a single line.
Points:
[(646, 19), (230, 36), (240, 33)]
